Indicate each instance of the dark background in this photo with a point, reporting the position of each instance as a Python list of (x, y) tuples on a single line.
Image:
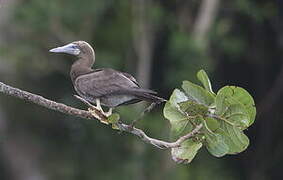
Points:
[(161, 43)]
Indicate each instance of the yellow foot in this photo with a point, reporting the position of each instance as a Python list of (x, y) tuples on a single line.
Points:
[(94, 110)]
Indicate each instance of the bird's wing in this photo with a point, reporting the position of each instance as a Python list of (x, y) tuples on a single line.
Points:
[(129, 76), (107, 82)]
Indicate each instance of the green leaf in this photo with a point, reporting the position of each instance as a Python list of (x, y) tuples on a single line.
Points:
[(215, 143), (186, 152), (177, 97), (202, 76), (235, 111), (237, 114), (229, 95), (193, 109), (178, 120), (234, 137), (234, 114), (197, 93), (212, 124), (113, 119)]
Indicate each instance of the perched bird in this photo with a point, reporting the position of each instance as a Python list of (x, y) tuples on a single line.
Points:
[(105, 86)]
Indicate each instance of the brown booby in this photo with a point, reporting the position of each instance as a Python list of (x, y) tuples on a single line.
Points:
[(105, 86)]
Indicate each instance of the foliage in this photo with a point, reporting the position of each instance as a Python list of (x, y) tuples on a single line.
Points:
[(224, 116)]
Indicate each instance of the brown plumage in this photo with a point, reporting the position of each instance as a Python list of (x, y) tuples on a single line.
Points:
[(113, 88)]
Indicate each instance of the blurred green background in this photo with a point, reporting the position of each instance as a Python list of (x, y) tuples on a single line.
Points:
[(161, 43)]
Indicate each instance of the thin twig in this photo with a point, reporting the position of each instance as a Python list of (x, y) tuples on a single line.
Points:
[(39, 100), (158, 143)]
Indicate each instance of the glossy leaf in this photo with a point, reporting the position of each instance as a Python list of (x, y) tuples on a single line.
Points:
[(177, 97), (215, 144), (202, 76), (186, 152), (197, 93), (237, 115), (229, 95), (178, 120), (234, 137), (193, 109), (113, 119), (212, 124)]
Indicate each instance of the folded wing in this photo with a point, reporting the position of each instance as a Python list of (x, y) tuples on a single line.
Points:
[(108, 82)]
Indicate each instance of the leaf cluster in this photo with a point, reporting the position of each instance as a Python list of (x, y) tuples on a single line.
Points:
[(224, 115)]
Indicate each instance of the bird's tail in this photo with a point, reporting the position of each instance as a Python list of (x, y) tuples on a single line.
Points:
[(148, 95), (152, 98)]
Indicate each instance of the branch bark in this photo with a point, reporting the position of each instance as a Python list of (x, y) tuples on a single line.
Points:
[(39, 100)]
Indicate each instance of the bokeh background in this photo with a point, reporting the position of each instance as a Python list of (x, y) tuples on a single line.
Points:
[(162, 43)]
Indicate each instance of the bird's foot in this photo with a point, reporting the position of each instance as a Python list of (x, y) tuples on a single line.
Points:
[(93, 110), (99, 108), (106, 114)]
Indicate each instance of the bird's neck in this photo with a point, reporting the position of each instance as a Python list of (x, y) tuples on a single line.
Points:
[(81, 66)]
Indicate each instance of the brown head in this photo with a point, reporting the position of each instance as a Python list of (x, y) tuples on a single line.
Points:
[(85, 54), (81, 49)]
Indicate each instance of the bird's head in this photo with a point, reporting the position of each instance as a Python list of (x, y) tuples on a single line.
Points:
[(76, 48)]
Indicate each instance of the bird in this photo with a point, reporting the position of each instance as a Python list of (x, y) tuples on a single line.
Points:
[(103, 86)]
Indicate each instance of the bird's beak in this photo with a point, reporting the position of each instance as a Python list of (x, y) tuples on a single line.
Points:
[(71, 48)]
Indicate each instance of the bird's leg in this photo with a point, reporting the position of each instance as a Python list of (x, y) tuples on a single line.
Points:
[(109, 112), (92, 108), (98, 106), (85, 101)]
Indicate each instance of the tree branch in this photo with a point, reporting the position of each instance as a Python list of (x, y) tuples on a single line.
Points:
[(39, 100)]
